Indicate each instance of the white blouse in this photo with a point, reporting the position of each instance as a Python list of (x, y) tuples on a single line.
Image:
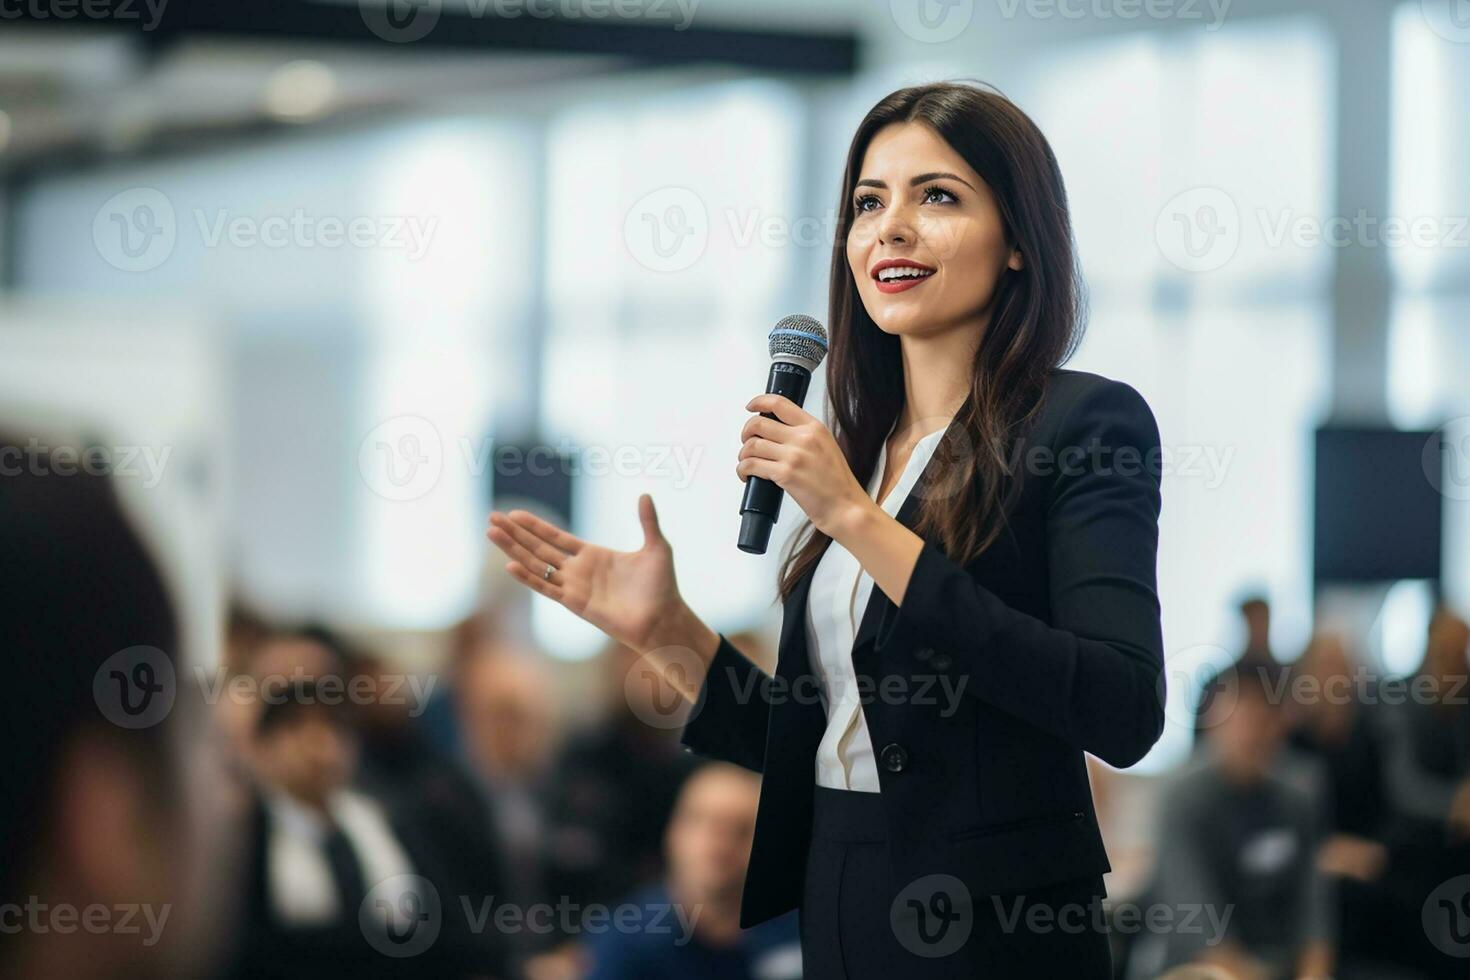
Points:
[(838, 596)]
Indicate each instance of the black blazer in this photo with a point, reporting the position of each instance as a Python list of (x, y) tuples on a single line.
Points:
[(1050, 640)]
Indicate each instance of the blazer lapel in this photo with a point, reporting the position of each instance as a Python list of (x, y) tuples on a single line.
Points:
[(908, 514), (794, 658)]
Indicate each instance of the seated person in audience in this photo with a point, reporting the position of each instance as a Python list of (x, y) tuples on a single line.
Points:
[(1337, 712), (689, 926), (93, 801), (332, 881), (1332, 724), (419, 784), (1426, 728), (1238, 842), (508, 730), (615, 784)]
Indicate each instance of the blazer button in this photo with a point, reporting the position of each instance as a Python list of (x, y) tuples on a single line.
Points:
[(923, 653), (943, 662), (894, 757)]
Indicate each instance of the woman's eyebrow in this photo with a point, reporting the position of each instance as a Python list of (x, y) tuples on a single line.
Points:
[(916, 180)]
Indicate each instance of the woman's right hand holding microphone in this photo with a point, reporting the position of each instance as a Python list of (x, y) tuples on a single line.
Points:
[(629, 595)]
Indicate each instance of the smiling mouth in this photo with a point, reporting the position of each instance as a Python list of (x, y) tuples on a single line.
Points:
[(897, 278)]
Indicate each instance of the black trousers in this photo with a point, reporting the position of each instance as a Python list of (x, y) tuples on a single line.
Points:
[(856, 924)]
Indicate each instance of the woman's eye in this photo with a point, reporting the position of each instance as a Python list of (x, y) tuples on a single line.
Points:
[(862, 203), (938, 195)]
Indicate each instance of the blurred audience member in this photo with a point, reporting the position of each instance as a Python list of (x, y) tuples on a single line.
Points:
[(1429, 771), (1337, 723), (423, 788), (1427, 759), (245, 630), (1255, 615), (508, 730), (615, 785), (1332, 723), (440, 719), (334, 881), (1239, 840), (689, 926), (98, 836), (315, 843)]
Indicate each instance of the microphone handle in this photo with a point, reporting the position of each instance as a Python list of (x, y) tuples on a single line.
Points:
[(761, 504)]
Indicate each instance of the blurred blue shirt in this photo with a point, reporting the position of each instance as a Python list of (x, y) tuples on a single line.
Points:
[(658, 946)]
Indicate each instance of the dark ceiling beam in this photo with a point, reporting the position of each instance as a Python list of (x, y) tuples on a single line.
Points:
[(428, 25)]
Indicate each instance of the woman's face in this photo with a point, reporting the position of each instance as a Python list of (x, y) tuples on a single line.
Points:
[(917, 203)]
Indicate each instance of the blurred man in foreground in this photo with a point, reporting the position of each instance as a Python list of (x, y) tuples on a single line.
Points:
[(690, 926)]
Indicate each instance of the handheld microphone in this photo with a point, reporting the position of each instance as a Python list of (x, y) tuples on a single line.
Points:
[(798, 344)]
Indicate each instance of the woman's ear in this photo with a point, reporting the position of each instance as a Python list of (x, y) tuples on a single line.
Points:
[(1015, 262)]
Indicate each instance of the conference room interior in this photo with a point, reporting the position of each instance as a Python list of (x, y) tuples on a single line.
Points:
[(294, 293)]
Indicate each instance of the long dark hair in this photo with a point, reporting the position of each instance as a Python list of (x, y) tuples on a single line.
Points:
[(1035, 323)]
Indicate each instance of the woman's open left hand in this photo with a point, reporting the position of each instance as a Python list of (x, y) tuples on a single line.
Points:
[(799, 455)]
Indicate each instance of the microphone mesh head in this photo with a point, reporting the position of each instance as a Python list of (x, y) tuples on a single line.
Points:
[(799, 336)]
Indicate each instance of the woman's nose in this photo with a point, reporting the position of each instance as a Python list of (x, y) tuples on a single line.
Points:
[(895, 227)]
